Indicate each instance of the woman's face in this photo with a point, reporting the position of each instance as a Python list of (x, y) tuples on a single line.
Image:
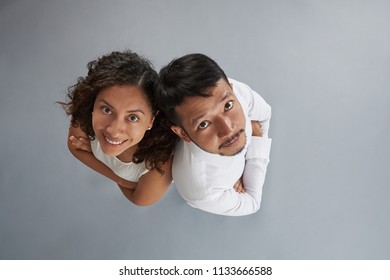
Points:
[(121, 115)]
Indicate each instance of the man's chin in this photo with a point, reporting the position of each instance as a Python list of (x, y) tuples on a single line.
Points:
[(232, 153)]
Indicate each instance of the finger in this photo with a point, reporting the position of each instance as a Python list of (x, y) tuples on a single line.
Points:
[(80, 143), (84, 140), (84, 144), (74, 141)]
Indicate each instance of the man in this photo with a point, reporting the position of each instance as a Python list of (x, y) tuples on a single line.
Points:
[(223, 126)]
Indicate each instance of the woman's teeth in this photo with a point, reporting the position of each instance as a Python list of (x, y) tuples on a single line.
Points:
[(113, 142)]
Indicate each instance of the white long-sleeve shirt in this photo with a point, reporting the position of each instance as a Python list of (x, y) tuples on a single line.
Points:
[(206, 180)]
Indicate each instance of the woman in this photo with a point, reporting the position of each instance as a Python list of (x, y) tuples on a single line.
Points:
[(116, 128)]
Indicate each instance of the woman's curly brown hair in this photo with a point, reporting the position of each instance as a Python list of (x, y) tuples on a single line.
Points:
[(122, 68)]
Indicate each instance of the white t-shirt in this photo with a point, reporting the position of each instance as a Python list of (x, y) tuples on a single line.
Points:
[(129, 171), (206, 180)]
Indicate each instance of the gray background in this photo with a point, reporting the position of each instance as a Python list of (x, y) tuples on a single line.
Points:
[(322, 65)]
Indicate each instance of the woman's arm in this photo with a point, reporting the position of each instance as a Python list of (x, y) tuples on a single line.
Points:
[(151, 186), (148, 190), (88, 158)]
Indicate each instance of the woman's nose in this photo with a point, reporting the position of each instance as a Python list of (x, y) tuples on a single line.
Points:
[(115, 128)]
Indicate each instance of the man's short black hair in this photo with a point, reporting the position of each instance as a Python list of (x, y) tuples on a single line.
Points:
[(189, 75)]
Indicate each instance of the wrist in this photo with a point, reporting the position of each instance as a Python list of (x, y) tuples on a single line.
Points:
[(256, 129)]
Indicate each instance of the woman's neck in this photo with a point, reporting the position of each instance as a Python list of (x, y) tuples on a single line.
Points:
[(127, 156)]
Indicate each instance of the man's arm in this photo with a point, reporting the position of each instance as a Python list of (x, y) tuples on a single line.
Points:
[(256, 162), (232, 203)]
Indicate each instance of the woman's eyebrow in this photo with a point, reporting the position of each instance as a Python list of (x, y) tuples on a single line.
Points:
[(128, 111)]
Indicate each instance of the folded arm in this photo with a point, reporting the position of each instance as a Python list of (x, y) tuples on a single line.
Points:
[(233, 203), (150, 187)]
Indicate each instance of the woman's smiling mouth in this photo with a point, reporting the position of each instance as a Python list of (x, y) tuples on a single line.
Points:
[(112, 142)]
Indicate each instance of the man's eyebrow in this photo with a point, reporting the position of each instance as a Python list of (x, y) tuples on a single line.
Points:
[(194, 120), (224, 97), (128, 111)]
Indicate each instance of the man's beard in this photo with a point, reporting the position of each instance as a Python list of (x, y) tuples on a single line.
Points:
[(231, 138), (224, 143)]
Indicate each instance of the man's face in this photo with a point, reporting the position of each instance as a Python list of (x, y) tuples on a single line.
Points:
[(216, 124)]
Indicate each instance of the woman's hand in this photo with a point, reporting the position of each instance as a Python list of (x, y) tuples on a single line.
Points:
[(81, 143)]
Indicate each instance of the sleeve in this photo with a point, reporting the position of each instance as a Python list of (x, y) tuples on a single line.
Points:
[(231, 203), (257, 107), (257, 156), (256, 163)]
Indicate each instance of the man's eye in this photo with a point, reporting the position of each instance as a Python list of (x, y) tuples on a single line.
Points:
[(106, 110), (203, 125), (229, 105), (133, 118)]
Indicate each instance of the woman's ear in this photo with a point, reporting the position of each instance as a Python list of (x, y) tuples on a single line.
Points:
[(152, 121)]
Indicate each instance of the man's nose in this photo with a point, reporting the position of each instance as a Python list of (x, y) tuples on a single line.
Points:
[(224, 126)]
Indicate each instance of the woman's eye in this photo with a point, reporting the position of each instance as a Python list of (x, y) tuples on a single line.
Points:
[(133, 118), (203, 125), (106, 110), (229, 105)]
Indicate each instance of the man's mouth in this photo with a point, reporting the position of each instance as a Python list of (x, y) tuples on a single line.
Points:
[(232, 140)]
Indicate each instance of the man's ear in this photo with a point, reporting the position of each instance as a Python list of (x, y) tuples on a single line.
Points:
[(181, 133)]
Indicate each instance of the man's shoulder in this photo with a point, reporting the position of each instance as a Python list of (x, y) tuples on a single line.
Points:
[(187, 152), (240, 86)]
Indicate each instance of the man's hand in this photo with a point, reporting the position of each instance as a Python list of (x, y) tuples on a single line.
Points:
[(256, 129), (81, 143), (239, 186)]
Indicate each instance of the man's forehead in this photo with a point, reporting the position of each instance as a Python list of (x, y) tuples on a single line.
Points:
[(220, 90), (196, 107)]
